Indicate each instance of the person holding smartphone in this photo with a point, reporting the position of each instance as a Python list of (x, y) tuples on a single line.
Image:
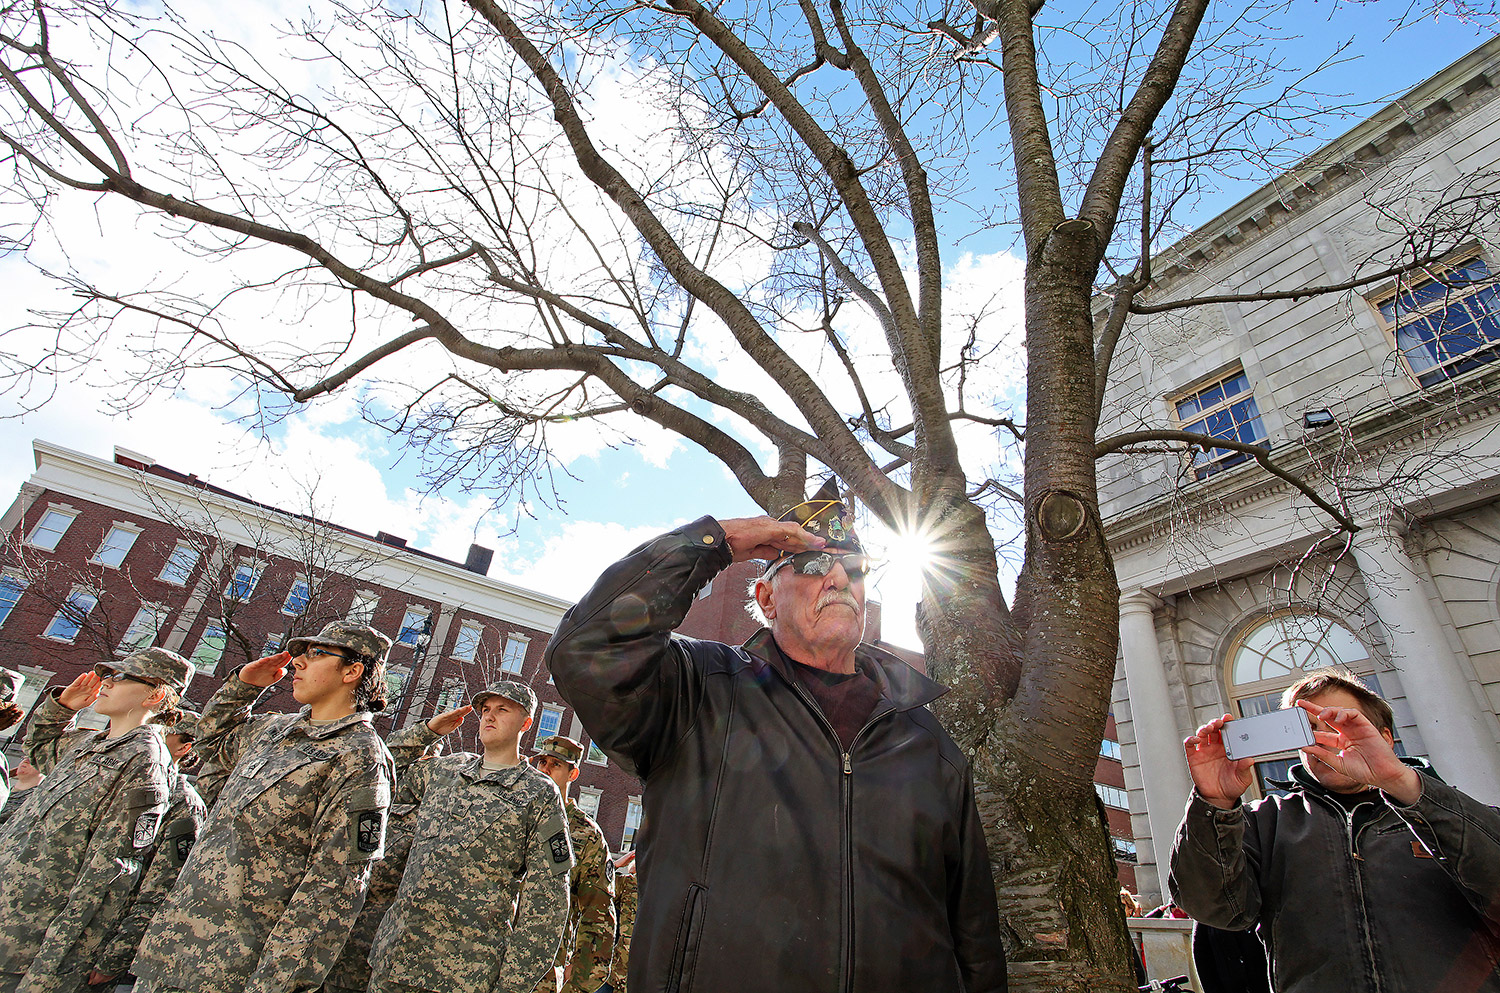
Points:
[(1371, 873)]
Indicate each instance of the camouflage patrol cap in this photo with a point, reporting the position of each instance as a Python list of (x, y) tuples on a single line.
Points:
[(559, 747), (156, 664), (184, 724), (360, 638), (10, 684), (511, 690)]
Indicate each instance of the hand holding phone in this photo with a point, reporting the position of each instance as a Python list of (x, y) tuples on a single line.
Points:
[(1265, 734)]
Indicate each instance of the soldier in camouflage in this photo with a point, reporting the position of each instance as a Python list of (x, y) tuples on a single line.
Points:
[(624, 919), (484, 899), (72, 856), (266, 899), (185, 817), (590, 937), (351, 973)]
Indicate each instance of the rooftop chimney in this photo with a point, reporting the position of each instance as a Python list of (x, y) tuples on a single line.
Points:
[(386, 538), (479, 559)]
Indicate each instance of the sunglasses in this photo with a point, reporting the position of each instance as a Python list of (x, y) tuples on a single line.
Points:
[(314, 653), (115, 676), (857, 565)]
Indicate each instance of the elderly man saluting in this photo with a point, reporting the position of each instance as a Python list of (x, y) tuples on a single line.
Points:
[(810, 826)]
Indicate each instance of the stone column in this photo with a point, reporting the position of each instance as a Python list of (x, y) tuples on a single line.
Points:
[(1163, 766), (1459, 739)]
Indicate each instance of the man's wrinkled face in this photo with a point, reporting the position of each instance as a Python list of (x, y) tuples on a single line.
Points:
[(824, 612), (501, 722), (1322, 771)]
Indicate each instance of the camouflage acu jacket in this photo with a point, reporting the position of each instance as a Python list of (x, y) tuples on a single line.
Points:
[(266, 899), (624, 929), (71, 857), (352, 970), (590, 937), (184, 820), (484, 900)]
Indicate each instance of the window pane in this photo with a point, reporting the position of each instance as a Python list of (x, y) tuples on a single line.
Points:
[(210, 647), (515, 655), (69, 620), (632, 822), (395, 686), (588, 802), (145, 629), (467, 642), (242, 585), (362, 610), (271, 647), (596, 755), (116, 546), (413, 626), (549, 722), (297, 598), (49, 530), (11, 588), (179, 565)]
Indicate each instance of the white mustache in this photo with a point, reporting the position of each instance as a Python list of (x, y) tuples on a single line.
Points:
[(838, 596)]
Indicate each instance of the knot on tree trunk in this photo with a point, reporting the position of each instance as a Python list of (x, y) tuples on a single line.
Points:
[(1060, 515)]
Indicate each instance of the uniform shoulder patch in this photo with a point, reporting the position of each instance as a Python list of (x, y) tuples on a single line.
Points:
[(558, 844), (143, 835), (367, 818)]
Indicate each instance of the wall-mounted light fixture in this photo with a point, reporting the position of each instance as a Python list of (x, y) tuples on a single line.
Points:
[(1314, 419)]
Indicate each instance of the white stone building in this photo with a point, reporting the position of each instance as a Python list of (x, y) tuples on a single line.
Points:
[(1383, 396)]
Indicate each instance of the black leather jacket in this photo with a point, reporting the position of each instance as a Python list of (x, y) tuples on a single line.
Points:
[(770, 859), (1391, 900)]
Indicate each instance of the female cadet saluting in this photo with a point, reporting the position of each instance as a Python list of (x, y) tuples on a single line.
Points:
[(71, 856), (279, 871)]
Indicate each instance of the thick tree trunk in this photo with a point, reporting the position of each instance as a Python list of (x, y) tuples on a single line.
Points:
[(1034, 755)]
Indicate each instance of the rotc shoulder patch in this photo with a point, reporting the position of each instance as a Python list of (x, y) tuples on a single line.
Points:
[(558, 844), (144, 833), (367, 809), (178, 840)]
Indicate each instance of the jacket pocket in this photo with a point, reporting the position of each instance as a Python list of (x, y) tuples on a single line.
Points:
[(689, 932)]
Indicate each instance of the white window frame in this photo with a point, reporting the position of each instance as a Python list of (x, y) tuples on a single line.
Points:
[(205, 662), (362, 608), (474, 629), (412, 620), (286, 605), (629, 831), (708, 588), (589, 798), (397, 678), (257, 569), (590, 750), (273, 644), (14, 580), (541, 717), (1467, 297), (1113, 796), (150, 617), (75, 595), (452, 696), (516, 646), (169, 575), (123, 530), (1205, 464), (1110, 749), (61, 510)]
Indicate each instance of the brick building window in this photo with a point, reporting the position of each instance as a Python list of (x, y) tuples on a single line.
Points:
[(242, 584), (179, 565), (549, 721), (596, 755), (362, 610), (632, 823), (588, 800), (1445, 319), (145, 629), (50, 529), (1112, 796), (413, 626), (1124, 849), (11, 588), (395, 686), (514, 658), (69, 619), (1224, 408), (466, 645), (116, 545), (452, 696), (1110, 749), (297, 598), (210, 647), (272, 646)]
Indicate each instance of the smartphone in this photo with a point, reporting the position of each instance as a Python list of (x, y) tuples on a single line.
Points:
[(1277, 731)]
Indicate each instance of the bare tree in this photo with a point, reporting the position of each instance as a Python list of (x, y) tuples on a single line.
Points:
[(452, 210)]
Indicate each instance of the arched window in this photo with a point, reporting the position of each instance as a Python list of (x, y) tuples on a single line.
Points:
[(1271, 655)]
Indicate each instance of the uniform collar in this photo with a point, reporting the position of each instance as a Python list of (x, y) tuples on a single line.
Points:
[(474, 769), (104, 743), (317, 732)]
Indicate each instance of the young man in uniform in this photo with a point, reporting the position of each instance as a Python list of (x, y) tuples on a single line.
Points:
[(484, 898), (590, 937)]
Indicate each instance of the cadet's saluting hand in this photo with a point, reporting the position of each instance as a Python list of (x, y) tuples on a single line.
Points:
[(81, 692), (448, 721), (267, 671)]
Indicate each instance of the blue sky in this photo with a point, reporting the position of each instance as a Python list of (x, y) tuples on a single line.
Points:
[(609, 498)]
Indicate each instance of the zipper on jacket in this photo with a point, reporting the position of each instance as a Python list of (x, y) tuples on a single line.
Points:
[(1359, 894)]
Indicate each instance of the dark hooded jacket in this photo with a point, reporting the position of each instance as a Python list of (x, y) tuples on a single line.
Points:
[(1385, 899), (770, 858)]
